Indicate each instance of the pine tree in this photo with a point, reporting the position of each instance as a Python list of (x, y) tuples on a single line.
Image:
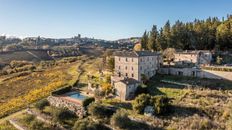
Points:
[(153, 37), (161, 40), (144, 40), (167, 33)]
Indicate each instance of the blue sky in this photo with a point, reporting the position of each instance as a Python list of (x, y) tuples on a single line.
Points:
[(105, 19)]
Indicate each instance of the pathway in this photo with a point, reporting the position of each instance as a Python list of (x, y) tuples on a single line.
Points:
[(16, 125)]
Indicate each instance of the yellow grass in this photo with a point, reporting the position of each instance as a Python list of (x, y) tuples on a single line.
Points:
[(19, 92)]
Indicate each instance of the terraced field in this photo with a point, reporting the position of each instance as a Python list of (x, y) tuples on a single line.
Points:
[(18, 91), (32, 55)]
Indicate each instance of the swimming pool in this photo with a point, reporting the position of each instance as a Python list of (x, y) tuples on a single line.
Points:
[(76, 95)]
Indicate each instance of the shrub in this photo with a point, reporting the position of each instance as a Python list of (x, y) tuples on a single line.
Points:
[(87, 101), (36, 125), (140, 103), (88, 125), (15, 64), (99, 111), (42, 104), (61, 114), (120, 119), (106, 88), (159, 103), (62, 90), (28, 118), (99, 94)]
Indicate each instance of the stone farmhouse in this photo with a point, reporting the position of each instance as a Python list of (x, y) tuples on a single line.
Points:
[(199, 57), (130, 68)]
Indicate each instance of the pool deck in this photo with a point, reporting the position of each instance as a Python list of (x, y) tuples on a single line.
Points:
[(70, 99), (73, 100)]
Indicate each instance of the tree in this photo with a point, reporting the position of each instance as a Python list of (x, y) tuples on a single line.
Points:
[(42, 104), (99, 111), (197, 35), (138, 47), (120, 119), (106, 88), (87, 101), (159, 103), (61, 114), (144, 40), (140, 103), (169, 54), (161, 40), (224, 35), (167, 33), (110, 64), (153, 43)]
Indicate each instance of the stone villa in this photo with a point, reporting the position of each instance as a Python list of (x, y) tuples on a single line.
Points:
[(199, 57), (130, 68)]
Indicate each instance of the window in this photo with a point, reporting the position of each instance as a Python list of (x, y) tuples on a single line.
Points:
[(141, 60), (132, 75), (132, 59), (119, 67), (126, 67), (119, 74), (141, 68), (119, 59), (193, 73), (126, 59), (126, 74), (132, 68), (180, 73), (147, 58)]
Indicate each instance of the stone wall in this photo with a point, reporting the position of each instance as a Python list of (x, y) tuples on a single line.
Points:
[(62, 103), (194, 72)]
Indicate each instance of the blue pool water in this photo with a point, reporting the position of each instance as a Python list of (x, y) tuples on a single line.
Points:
[(76, 95)]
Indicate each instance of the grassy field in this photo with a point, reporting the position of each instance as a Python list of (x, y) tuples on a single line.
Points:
[(7, 126)]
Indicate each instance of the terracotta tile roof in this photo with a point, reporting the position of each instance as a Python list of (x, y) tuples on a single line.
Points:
[(135, 53), (129, 81)]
